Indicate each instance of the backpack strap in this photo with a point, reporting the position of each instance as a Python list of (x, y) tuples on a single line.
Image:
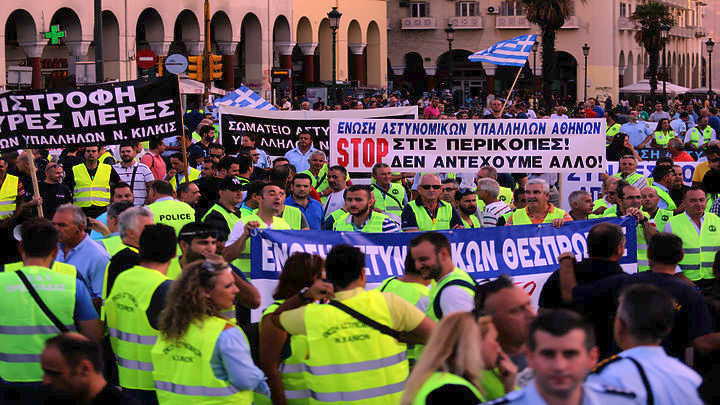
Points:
[(382, 289), (43, 307), (436, 303), (645, 381)]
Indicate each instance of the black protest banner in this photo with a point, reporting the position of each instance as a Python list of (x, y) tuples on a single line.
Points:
[(277, 131), (107, 113)]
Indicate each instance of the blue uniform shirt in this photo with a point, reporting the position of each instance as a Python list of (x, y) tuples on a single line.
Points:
[(636, 132), (671, 381), (593, 394), (313, 212)]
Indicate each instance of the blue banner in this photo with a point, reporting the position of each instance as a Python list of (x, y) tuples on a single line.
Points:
[(483, 253)]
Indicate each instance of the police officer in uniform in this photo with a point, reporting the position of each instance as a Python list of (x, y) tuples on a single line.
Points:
[(644, 317), (166, 208), (562, 351)]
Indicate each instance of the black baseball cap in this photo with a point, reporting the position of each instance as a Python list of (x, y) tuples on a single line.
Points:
[(231, 183)]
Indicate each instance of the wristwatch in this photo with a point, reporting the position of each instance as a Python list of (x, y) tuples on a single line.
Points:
[(302, 296)]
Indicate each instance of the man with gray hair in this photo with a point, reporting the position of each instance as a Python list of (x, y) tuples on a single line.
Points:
[(581, 204), (132, 223), (428, 212), (539, 210), (628, 172), (318, 171), (505, 194), (112, 241), (488, 191), (78, 249)]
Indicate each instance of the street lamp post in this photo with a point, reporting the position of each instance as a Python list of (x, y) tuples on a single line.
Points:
[(586, 52), (664, 35), (334, 19), (450, 35), (535, 49), (98, 37), (709, 47)]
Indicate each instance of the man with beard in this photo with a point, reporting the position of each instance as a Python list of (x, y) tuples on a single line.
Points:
[(299, 198), (454, 290), (467, 207), (134, 173), (359, 202)]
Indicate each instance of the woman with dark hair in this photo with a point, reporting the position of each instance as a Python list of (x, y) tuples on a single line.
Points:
[(200, 355), (620, 146), (663, 134), (301, 270)]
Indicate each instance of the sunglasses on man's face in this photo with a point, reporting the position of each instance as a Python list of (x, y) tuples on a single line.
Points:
[(431, 186)]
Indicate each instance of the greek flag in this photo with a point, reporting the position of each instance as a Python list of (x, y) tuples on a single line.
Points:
[(512, 52), (246, 98)]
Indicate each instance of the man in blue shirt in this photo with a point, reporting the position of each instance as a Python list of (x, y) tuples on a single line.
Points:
[(638, 132), (249, 141), (311, 208), (681, 124), (78, 249), (299, 156)]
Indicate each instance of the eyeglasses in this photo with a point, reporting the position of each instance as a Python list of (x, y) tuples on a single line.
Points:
[(431, 186)]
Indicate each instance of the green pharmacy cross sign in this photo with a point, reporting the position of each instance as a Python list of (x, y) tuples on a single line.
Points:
[(55, 34)]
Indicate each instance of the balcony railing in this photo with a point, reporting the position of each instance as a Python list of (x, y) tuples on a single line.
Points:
[(467, 23), (683, 32), (626, 24), (419, 23), (509, 22), (571, 23)]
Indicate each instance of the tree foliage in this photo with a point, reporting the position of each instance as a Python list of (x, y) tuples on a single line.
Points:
[(650, 17)]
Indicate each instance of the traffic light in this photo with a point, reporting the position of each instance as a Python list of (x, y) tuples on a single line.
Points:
[(195, 67), (215, 66)]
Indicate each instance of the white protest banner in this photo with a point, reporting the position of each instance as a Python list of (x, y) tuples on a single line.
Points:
[(511, 146), (591, 181)]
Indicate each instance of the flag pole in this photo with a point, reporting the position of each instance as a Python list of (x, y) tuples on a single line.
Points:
[(517, 76)]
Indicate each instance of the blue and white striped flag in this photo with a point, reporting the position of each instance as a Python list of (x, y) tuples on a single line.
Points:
[(246, 98), (512, 52)]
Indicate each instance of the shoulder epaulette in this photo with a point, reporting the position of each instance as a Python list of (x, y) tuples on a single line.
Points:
[(604, 363), (609, 389)]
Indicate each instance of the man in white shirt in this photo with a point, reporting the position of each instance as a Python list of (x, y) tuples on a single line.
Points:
[(559, 113), (488, 191), (337, 176), (134, 173)]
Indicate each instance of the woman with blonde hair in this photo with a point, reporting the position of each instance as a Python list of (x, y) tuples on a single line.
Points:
[(201, 357), (451, 365)]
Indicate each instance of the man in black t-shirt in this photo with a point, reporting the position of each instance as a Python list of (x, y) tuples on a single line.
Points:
[(52, 191)]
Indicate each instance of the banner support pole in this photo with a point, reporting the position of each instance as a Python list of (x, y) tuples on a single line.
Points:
[(517, 76), (33, 177), (184, 140)]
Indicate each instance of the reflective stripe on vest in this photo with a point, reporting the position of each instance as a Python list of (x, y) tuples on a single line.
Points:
[(662, 138), (440, 222), (390, 201), (130, 331), (521, 217), (23, 331), (374, 224), (182, 370), (695, 136), (92, 191), (349, 361), (699, 249), (8, 195)]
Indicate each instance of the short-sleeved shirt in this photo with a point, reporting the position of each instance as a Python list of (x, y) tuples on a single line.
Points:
[(491, 213), (138, 182), (700, 170), (156, 165), (405, 317), (313, 212), (90, 259), (636, 132)]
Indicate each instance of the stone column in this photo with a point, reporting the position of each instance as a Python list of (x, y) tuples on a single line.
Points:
[(285, 50), (77, 50), (33, 51), (195, 47), (358, 61), (308, 51), (227, 50)]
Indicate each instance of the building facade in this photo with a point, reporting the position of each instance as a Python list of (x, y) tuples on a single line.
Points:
[(421, 59), (252, 36)]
